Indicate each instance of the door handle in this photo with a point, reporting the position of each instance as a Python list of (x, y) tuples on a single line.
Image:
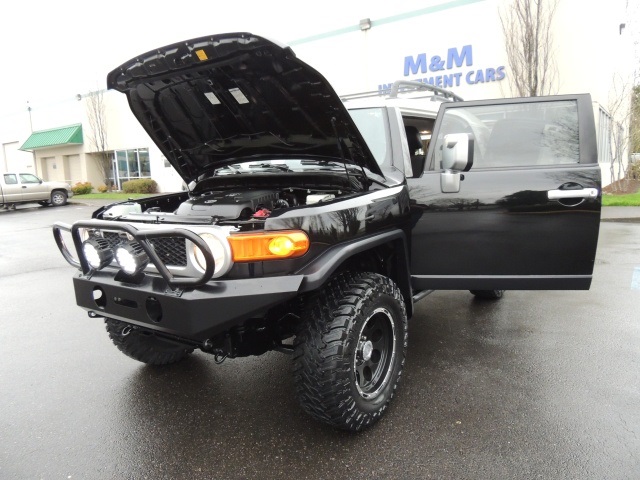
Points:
[(24, 186), (581, 193)]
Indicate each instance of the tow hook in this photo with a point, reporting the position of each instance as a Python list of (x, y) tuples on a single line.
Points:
[(218, 358), (218, 355)]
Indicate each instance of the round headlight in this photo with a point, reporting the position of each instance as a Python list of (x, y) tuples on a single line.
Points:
[(215, 245)]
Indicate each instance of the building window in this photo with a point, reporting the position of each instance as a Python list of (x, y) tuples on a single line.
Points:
[(604, 128), (130, 165), (610, 137)]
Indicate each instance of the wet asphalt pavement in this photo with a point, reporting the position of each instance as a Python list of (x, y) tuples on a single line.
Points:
[(537, 385)]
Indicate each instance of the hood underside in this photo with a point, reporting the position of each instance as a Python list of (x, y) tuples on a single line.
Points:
[(224, 99)]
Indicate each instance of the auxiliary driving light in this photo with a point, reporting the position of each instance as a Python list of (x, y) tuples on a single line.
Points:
[(98, 252), (131, 258)]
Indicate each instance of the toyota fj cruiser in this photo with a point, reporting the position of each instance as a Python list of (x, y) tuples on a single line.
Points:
[(313, 223)]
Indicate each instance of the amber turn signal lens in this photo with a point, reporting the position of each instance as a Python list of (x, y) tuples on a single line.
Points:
[(253, 247)]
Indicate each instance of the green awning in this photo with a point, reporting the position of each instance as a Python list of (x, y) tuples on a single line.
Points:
[(54, 137)]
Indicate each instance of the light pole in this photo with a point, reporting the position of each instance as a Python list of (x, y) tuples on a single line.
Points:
[(33, 152), (29, 110)]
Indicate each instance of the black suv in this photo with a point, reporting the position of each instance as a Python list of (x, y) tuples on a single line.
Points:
[(313, 223)]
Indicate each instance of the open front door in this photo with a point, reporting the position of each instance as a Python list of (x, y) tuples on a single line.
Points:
[(510, 196)]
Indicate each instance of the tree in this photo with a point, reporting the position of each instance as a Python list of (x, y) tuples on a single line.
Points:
[(620, 128), (635, 120), (529, 45), (97, 138)]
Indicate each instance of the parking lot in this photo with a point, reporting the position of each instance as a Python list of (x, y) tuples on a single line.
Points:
[(537, 385)]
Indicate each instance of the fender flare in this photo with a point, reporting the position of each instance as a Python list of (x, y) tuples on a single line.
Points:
[(319, 270)]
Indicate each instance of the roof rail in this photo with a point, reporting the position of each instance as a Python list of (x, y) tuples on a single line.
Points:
[(407, 86)]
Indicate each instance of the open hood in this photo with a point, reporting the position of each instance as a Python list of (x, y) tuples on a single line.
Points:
[(223, 99)]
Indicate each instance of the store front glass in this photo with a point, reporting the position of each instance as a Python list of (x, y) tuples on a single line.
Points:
[(130, 165)]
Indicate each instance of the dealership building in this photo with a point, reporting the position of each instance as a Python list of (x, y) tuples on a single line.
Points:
[(458, 45)]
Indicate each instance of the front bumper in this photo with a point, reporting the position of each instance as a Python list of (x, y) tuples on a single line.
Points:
[(197, 314), (192, 307)]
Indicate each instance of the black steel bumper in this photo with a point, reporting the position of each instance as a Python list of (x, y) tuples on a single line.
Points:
[(197, 314)]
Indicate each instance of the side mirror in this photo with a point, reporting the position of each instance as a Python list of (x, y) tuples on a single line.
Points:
[(457, 152), (457, 156)]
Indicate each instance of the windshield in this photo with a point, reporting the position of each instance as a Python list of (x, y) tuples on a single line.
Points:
[(372, 123)]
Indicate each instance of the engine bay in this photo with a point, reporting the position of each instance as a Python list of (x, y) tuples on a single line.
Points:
[(250, 204), (244, 201), (232, 206)]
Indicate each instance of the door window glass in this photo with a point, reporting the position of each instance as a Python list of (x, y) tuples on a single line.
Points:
[(131, 164), (10, 179), (516, 135), (28, 178)]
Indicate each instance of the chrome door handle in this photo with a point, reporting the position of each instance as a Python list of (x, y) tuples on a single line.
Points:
[(582, 193)]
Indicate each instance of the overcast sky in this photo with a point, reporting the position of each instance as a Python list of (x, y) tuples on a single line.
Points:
[(55, 50)]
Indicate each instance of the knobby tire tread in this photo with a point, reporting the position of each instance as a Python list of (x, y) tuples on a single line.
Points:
[(321, 364)]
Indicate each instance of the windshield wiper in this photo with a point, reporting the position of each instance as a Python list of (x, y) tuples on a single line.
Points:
[(322, 163), (275, 166), (230, 168)]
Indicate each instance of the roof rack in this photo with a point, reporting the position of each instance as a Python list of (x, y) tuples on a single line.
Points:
[(407, 86)]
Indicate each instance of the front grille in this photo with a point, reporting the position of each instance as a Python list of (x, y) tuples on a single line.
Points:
[(114, 238), (171, 250)]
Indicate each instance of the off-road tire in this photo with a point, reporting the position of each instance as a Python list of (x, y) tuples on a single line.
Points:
[(144, 346), (488, 294), (58, 198), (330, 370)]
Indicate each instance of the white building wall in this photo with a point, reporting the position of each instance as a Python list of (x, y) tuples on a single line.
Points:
[(364, 60), (124, 132), (14, 160), (62, 164), (593, 54)]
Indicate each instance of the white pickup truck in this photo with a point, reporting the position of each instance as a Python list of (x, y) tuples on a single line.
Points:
[(28, 188)]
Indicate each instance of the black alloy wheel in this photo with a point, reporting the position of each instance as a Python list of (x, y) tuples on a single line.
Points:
[(376, 351)]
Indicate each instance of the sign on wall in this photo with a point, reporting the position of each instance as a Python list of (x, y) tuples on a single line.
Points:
[(449, 70)]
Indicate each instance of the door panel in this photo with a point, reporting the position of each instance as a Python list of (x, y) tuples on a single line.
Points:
[(11, 188), (75, 169), (32, 188), (528, 211)]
